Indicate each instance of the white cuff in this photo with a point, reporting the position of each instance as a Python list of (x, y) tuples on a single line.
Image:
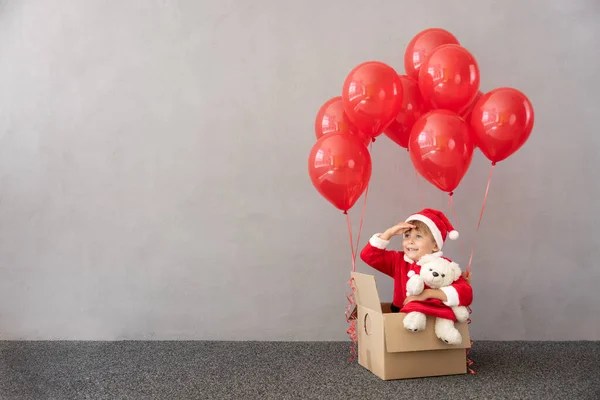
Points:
[(378, 242), (452, 296)]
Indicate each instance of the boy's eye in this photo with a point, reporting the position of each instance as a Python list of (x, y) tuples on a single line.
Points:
[(419, 236)]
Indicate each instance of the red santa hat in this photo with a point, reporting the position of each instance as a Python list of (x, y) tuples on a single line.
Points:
[(438, 224)]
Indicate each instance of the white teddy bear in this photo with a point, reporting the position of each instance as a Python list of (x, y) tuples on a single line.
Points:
[(436, 272)]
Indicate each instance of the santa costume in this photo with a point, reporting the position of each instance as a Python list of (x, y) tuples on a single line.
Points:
[(398, 266)]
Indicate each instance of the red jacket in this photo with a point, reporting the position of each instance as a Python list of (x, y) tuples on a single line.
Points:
[(396, 265)]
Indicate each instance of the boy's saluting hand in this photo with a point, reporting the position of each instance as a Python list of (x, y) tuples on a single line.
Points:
[(395, 230)]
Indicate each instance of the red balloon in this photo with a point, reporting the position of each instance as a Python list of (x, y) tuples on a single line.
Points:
[(372, 96), (412, 108), (422, 45), (466, 112), (339, 166), (332, 118), (441, 148), (449, 79), (502, 121)]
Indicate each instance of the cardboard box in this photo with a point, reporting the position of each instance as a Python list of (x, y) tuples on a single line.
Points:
[(390, 351)]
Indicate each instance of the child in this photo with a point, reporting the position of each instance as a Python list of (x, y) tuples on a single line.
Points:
[(422, 233)]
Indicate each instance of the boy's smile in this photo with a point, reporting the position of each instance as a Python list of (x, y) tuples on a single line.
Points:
[(416, 244)]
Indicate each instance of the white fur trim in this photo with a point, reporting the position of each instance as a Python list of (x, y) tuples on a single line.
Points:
[(378, 242), (452, 296), (408, 259), (453, 235), (437, 235), (410, 273)]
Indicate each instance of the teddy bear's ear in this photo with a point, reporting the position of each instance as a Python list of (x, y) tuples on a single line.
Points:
[(425, 259), (456, 271)]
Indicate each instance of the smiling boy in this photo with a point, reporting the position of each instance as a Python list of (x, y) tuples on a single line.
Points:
[(422, 233)]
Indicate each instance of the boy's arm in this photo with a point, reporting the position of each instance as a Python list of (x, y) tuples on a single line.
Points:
[(460, 293), (376, 256), (374, 253)]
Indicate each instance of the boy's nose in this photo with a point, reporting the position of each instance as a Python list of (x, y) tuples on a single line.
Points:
[(435, 274)]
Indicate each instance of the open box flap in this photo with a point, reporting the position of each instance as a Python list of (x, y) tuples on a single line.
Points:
[(398, 339), (366, 291)]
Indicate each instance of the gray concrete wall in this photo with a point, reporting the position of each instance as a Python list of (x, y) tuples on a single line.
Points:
[(153, 178)]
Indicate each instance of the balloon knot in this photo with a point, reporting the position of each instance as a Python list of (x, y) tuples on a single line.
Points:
[(451, 194), (493, 163), (345, 212)]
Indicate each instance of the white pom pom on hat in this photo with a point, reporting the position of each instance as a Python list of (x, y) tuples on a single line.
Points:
[(453, 235)]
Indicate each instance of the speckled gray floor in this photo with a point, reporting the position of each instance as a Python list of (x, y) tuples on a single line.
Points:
[(283, 370)]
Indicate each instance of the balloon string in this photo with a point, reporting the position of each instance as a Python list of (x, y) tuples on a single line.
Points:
[(481, 216), (362, 217), (456, 223), (469, 360), (351, 312), (487, 189), (354, 249), (351, 240), (351, 315), (419, 188), (451, 204)]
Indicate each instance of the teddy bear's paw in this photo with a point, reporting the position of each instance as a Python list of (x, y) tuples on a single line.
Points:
[(461, 313), (415, 321), (446, 332), (415, 286)]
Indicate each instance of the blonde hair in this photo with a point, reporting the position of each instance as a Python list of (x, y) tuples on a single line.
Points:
[(423, 229)]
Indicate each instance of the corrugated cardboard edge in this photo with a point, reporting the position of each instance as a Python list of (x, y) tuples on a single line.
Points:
[(366, 291)]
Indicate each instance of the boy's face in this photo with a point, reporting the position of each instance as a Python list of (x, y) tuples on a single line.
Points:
[(417, 243)]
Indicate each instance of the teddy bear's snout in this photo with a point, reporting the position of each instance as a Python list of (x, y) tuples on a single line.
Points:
[(435, 274)]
